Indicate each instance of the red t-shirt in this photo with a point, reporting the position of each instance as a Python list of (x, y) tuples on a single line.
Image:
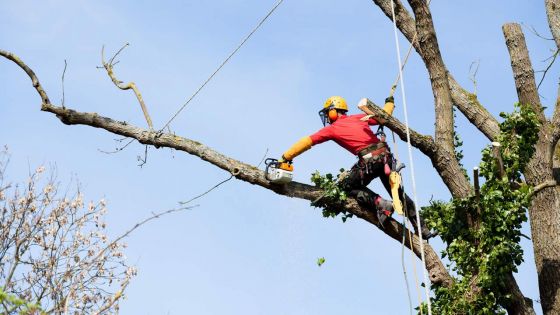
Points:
[(349, 132)]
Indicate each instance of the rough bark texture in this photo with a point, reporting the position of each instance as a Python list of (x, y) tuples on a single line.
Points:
[(545, 208), (553, 14), (523, 73), (470, 106), (445, 161)]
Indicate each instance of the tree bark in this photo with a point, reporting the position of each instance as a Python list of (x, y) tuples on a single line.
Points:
[(519, 304), (524, 75), (553, 14), (545, 207), (545, 226), (445, 160)]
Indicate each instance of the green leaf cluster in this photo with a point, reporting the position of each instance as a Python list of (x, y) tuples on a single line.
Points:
[(11, 304), (482, 234), (334, 197)]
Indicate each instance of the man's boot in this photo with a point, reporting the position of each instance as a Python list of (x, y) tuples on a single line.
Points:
[(426, 233)]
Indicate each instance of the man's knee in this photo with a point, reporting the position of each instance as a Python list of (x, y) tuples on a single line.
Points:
[(365, 198)]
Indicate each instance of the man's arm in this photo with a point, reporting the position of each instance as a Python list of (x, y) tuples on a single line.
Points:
[(298, 148), (307, 142)]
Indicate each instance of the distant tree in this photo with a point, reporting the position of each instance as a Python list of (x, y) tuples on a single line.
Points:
[(55, 256), (518, 180)]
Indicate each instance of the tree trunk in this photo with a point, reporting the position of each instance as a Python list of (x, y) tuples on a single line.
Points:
[(545, 226)]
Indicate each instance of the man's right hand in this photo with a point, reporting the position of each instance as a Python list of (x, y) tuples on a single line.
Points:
[(284, 160)]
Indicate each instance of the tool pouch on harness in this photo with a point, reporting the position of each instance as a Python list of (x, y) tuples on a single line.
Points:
[(374, 157)]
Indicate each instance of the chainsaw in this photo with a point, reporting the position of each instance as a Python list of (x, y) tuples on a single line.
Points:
[(278, 172)]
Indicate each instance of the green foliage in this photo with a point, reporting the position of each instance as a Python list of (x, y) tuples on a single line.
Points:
[(11, 304), (458, 144), (485, 256), (320, 261), (334, 197)]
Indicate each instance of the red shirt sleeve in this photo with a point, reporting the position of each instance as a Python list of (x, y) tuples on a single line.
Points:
[(322, 135)]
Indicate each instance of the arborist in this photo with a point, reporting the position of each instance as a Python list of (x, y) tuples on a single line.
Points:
[(353, 133)]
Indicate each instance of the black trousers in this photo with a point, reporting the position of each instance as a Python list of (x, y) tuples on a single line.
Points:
[(363, 172)]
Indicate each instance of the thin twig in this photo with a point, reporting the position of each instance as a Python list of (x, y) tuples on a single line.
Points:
[(472, 74), (532, 29), (115, 241), (145, 159), (553, 57), (63, 73), (206, 192), (263, 158), (117, 150)]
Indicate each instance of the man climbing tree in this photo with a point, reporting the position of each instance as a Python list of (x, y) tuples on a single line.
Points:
[(531, 185), (352, 132)]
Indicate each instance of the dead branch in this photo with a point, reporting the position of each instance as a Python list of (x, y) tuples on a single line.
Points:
[(131, 85), (242, 171)]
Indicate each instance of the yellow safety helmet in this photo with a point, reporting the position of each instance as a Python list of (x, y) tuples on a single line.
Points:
[(333, 105)]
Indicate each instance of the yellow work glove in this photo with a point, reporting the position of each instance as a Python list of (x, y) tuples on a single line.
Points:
[(389, 105), (298, 148)]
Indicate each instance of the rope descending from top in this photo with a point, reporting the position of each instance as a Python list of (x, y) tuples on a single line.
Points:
[(223, 63), (419, 228)]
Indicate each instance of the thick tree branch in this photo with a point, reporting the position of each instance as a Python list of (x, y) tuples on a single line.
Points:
[(423, 143), (466, 102), (519, 304), (437, 71), (242, 171), (523, 72), (553, 14), (442, 160), (470, 106), (445, 161)]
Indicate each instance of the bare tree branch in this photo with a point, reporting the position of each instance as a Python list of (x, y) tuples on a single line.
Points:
[(545, 71), (467, 102), (523, 73), (425, 144), (131, 85), (242, 171)]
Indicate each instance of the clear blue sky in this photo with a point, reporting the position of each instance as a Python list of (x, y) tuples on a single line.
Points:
[(244, 250)]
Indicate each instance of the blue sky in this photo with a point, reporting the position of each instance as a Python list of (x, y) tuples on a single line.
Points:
[(244, 250)]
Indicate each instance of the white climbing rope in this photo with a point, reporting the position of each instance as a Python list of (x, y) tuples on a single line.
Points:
[(419, 228)]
